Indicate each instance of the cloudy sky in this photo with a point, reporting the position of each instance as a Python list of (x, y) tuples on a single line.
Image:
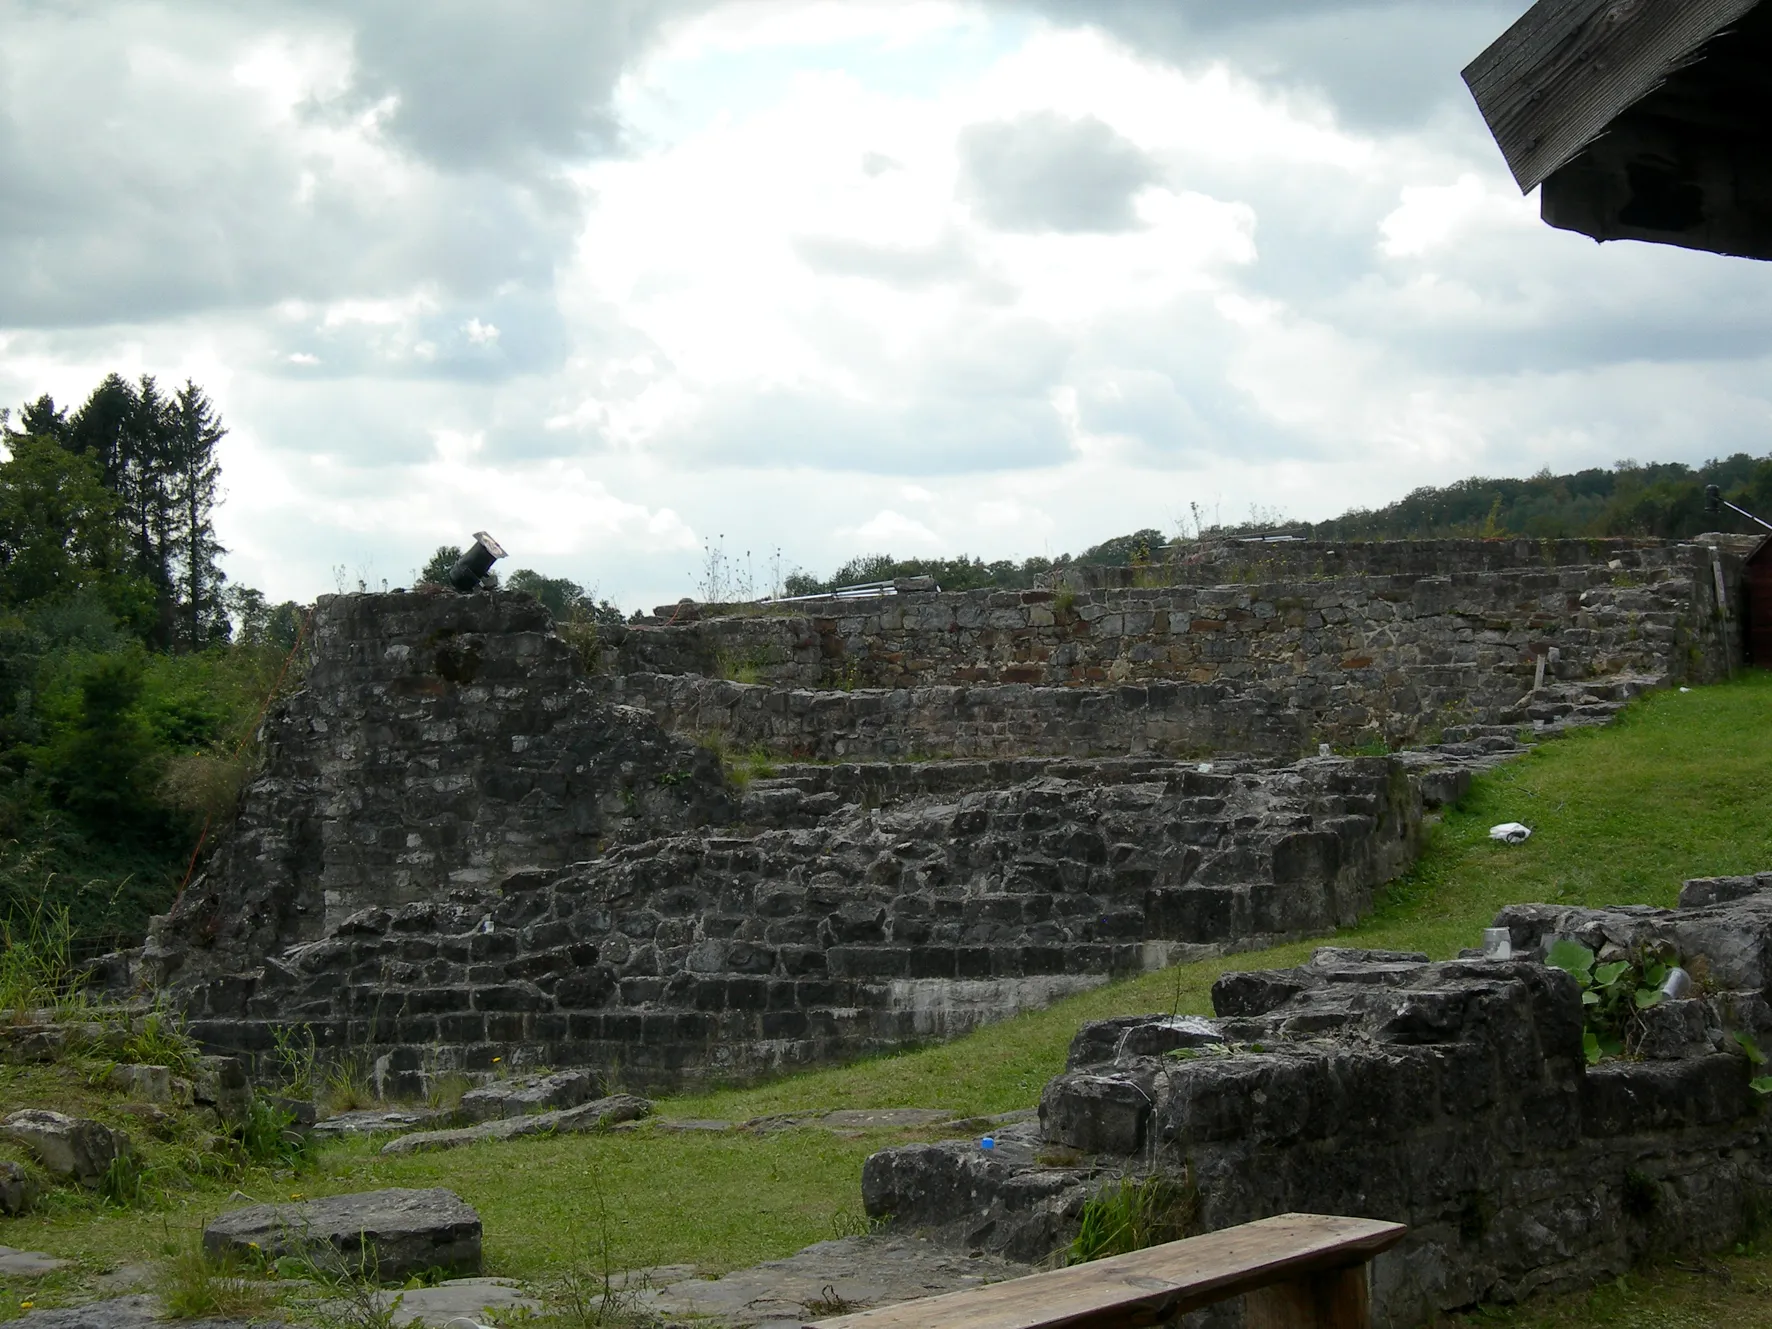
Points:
[(616, 279)]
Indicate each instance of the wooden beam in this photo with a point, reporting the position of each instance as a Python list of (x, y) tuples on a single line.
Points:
[(1550, 85), (1339, 1299), (1323, 1256), (1668, 183)]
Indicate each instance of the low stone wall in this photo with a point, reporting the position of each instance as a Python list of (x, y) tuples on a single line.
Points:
[(696, 958), (1454, 1097), (1399, 645)]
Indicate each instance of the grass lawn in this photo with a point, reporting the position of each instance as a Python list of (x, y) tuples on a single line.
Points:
[(1676, 788)]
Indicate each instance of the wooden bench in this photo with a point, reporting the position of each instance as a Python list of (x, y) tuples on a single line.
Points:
[(1298, 1271)]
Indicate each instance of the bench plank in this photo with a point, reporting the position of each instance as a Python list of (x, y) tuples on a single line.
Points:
[(1149, 1285)]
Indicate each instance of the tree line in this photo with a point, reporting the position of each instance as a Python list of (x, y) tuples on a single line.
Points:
[(1658, 500), (130, 671)]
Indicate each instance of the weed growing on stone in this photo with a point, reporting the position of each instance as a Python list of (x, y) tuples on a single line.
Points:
[(346, 1084), (1133, 1213), (1612, 994), (162, 1041), (195, 1285), (37, 967), (268, 1136), (297, 1059)]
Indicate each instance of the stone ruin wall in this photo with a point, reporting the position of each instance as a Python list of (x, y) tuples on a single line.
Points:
[(463, 847), (1453, 1097), (726, 955), (1271, 668), (460, 850)]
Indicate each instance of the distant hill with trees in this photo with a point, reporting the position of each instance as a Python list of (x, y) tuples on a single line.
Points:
[(1663, 500)]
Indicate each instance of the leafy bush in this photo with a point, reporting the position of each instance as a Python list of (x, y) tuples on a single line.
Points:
[(1612, 994)]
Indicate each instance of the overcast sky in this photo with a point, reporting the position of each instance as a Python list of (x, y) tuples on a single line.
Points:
[(615, 279)]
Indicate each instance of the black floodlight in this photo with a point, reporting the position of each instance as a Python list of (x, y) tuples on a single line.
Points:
[(472, 566), (1714, 503)]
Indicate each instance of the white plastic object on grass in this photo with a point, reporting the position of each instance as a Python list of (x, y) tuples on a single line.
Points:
[(1510, 832), (463, 1322), (1685, 689)]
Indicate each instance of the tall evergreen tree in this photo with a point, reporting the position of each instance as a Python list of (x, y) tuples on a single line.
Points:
[(127, 429), (195, 429)]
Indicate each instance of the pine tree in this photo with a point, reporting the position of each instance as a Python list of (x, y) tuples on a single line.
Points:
[(195, 429), (127, 429)]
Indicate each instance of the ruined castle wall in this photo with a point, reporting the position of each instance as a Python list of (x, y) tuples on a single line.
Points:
[(1402, 643), (1216, 563), (1453, 1097), (698, 958), (1176, 719), (437, 743)]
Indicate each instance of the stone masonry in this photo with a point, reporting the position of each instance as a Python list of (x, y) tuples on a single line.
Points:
[(1454, 1097), (1271, 667), (470, 839), (724, 954)]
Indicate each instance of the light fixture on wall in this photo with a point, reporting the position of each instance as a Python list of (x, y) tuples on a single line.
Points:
[(1714, 503), (471, 568)]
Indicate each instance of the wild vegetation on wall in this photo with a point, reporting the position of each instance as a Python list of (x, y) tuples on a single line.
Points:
[(130, 672)]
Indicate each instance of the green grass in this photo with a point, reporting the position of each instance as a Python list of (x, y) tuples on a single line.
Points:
[(1676, 788)]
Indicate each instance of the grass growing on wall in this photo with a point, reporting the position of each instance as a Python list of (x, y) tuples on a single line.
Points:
[(1677, 788)]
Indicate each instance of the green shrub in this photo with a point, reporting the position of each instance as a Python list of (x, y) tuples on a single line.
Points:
[(195, 1285), (268, 1136), (1134, 1213)]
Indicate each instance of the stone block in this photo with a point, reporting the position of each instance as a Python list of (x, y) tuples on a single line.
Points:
[(388, 1234), (530, 1093), (18, 1188), (74, 1147)]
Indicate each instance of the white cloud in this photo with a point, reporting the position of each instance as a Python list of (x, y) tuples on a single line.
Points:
[(887, 529), (602, 279)]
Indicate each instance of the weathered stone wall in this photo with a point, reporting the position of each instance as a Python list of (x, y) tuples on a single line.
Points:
[(1404, 644), (437, 743), (1218, 562), (1175, 719), (1277, 719), (700, 957), (1454, 1097)]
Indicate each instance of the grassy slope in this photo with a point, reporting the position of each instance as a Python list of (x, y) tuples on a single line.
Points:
[(1676, 789)]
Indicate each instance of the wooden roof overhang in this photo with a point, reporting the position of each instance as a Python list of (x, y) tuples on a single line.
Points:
[(1642, 119)]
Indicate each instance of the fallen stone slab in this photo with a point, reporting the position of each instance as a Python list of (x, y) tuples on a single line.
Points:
[(599, 1114), (27, 1264), (481, 1300), (391, 1234), (377, 1121), (844, 1120), (830, 1278), (529, 1094), (708, 1124), (134, 1312), (76, 1147), (18, 1188), (153, 1083)]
